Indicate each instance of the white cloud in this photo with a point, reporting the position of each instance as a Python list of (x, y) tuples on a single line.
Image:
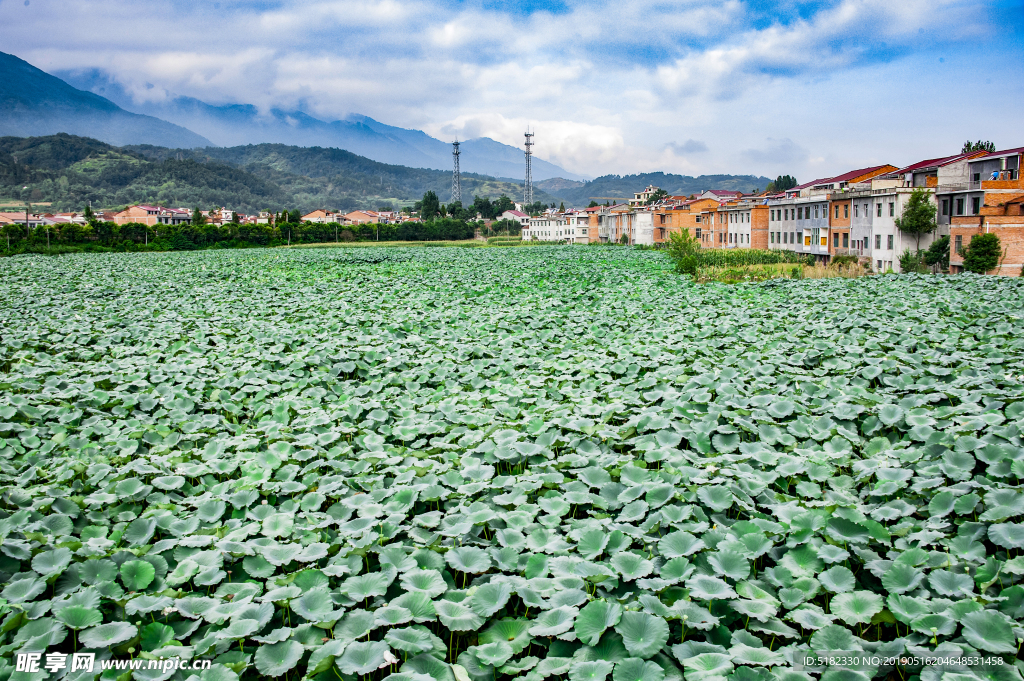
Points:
[(609, 86)]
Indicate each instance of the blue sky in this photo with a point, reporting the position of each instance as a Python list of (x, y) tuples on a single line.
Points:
[(805, 88)]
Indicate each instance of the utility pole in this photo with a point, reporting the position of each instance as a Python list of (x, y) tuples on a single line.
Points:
[(456, 178), (528, 185)]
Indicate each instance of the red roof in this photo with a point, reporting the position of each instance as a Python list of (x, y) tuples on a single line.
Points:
[(724, 192), (517, 214), (854, 173), (930, 163), (805, 185), (1018, 150)]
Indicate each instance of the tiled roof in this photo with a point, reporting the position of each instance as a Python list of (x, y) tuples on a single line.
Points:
[(854, 174)]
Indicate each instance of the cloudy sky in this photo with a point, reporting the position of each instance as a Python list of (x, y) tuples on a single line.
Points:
[(616, 86)]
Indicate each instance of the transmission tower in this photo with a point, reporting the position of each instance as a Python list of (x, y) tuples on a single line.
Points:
[(456, 178), (528, 186)]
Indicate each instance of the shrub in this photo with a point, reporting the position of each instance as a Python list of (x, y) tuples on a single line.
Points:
[(840, 260), (913, 262), (938, 253), (982, 253)]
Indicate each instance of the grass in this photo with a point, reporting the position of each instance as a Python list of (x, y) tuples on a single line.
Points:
[(467, 243), (493, 242), (738, 274)]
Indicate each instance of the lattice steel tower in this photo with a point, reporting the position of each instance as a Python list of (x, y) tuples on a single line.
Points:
[(528, 186), (456, 178)]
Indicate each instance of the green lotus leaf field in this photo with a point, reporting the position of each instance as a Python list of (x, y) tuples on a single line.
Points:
[(445, 464)]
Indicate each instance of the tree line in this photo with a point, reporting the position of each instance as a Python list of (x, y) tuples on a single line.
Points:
[(98, 235)]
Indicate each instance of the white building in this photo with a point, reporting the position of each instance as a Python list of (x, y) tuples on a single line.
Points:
[(522, 218), (551, 227)]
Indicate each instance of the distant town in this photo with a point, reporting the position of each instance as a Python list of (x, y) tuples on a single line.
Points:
[(855, 214)]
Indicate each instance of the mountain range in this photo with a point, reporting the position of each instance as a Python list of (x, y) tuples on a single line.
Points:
[(33, 102), (302, 156), (242, 124)]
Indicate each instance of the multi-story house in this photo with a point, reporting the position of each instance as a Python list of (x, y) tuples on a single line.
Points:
[(688, 214), (325, 217), (864, 212), (998, 210), (153, 215), (548, 227), (641, 198), (577, 224), (798, 219), (362, 217)]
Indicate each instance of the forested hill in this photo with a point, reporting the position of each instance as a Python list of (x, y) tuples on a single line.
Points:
[(623, 186), (69, 172)]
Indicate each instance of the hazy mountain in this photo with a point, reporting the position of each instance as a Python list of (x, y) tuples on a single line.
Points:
[(610, 187), (242, 124), (33, 102)]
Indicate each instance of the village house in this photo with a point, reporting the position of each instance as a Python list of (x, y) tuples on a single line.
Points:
[(325, 217), (516, 215), (153, 215), (990, 201), (362, 217)]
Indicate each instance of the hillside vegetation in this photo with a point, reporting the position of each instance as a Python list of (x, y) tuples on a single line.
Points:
[(623, 186), (70, 172)]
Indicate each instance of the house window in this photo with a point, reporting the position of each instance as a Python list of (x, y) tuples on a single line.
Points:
[(945, 206), (856, 213), (698, 232), (958, 243), (977, 177), (879, 210), (792, 237), (960, 206), (815, 212), (835, 240), (879, 265), (846, 239), (772, 235), (890, 241), (892, 208), (846, 210), (975, 205), (878, 241), (837, 211)]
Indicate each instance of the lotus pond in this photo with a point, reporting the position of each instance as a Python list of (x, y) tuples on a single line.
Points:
[(479, 464)]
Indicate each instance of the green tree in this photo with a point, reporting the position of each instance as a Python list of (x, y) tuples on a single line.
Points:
[(88, 214), (982, 253), (561, 207), (593, 204), (977, 146), (295, 217), (918, 217), (656, 196), (430, 207), (502, 204), (455, 210), (198, 219), (781, 184), (938, 253), (682, 251)]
